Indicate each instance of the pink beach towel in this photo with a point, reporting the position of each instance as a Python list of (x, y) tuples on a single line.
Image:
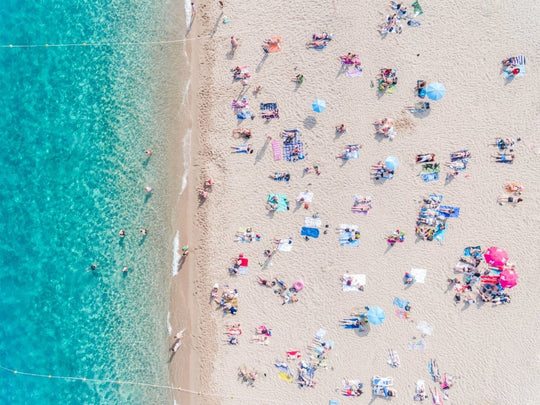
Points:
[(276, 147)]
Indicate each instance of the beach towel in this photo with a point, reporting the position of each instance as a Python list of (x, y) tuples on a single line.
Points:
[(350, 387), (478, 251), (311, 222), (246, 237), (401, 303), (351, 154), (440, 235), (455, 214), (285, 377), (294, 355), (243, 115), (393, 358), (401, 313), (321, 333), (508, 73), (425, 328), (285, 245), (419, 275), (268, 106), (353, 282), (333, 402), (282, 201), (274, 46), (276, 148), (348, 239), (305, 197), (430, 177), (309, 232), (288, 149), (431, 167), (417, 9), (355, 72)]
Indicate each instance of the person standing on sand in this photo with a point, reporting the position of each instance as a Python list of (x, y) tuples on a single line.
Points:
[(234, 44)]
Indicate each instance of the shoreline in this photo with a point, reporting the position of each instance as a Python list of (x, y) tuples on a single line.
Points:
[(185, 302)]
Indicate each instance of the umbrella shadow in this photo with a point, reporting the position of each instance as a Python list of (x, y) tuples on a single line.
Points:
[(216, 24), (261, 152), (310, 122)]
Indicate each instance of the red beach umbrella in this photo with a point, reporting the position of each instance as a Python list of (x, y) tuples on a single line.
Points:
[(508, 278), (496, 256)]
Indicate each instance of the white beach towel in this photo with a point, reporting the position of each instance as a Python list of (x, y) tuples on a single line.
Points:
[(358, 281), (306, 195), (320, 334), (419, 275), (425, 328), (285, 245), (311, 222)]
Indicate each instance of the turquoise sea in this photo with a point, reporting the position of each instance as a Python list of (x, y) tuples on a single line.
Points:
[(75, 122)]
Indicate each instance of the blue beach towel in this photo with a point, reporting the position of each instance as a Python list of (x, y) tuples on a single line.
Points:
[(289, 147), (243, 115), (400, 303), (455, 214), (429, 177), (311, 232), (467, 251), (344, 239), (268, 106), (440, 235)]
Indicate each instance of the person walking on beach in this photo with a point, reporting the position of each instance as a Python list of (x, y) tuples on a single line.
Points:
[(234, 44)]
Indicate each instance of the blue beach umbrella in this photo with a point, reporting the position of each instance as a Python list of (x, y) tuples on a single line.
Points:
[(391, 163), (435, 91), (376, 316), (318, 105)]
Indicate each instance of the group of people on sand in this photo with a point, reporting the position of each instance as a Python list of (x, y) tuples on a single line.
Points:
[(387, 79), (281, 289), (513, 196), (479, 278), (228, 302), (350, 59), (431, 218), (504, 145), (513, 66), (385, 127), (380, 171), (319, 41)]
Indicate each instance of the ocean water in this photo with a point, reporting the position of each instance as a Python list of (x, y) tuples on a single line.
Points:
[(74, 126)]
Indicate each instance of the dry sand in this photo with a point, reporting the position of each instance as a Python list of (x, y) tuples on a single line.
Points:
[(492, 349)]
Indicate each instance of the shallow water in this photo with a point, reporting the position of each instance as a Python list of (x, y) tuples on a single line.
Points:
[(76, 122)]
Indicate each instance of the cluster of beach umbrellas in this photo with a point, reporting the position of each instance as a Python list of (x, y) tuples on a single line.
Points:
[(498, 257)]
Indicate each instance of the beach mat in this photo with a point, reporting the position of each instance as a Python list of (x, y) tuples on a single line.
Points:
[(344, 239), (357, 283), (312, 222), (419, 275), (429, 177), (275, 47), (455, 214), (276, 148), (288, 149), (310, 232), (282, 201), (440, 235), (355, 72), (285, 245), (285, 377), (400, 303)]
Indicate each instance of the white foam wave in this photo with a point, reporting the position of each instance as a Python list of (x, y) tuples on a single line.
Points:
[(186, 91), (176, 255), (186, 147), (187, 5), (169, 327)]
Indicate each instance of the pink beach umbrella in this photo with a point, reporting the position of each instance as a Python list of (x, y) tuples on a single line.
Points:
[(508, 278), (496, 256)]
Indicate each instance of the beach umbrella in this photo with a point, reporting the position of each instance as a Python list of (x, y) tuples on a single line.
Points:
[(508, 278), (376, 316), (435, 91), (318, 105), (496, 256), (391, 163)]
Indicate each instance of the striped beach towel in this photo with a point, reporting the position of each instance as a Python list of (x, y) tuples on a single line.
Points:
[(276, 147)]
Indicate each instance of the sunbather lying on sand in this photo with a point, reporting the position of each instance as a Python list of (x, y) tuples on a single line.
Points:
[(323, 35), (242, 149), (420, 106), (504, 143), (245, 132), (425, 158), (280, 176), (316, 44), (266, 283), (514, 188), (502, 199), (504, 158), (341, 129)]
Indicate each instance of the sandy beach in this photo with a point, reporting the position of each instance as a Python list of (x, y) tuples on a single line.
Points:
[(489, 349)]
